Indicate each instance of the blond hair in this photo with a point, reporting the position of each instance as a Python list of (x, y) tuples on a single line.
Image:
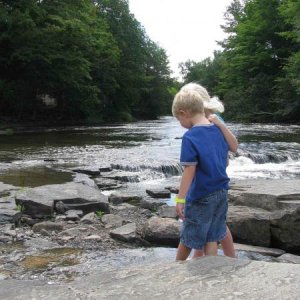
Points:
[(187, 100), (212, 104)]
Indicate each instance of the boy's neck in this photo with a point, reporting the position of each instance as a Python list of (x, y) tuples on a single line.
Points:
[(199, 119)]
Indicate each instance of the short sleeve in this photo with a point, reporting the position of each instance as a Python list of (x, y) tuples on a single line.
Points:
[(188, 154)]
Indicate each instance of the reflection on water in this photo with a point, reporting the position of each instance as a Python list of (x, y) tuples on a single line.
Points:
[(34, 176)]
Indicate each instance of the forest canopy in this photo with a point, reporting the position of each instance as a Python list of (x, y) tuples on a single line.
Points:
[(257, 72), (66, 60), (91, 61)]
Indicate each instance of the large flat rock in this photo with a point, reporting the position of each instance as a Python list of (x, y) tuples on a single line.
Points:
[(266, 194), (204, 278), (41, 200)]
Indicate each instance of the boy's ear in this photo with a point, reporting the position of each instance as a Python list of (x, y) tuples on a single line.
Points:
[(182, 113)]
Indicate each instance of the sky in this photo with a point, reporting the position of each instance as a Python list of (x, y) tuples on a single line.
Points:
[(186, 29)]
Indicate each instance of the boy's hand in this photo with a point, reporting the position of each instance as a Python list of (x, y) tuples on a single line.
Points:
[(179, 210), (216, 120)]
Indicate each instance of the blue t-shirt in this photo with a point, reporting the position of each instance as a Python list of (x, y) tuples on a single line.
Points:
[(205, 147)]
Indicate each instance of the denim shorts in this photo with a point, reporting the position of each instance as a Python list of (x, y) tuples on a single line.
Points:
[(205, 220)]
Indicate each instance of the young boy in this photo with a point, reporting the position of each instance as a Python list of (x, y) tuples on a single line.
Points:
[(213, 106), (204, 184)]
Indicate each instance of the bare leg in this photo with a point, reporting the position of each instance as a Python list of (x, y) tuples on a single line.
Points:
[(211, 248), (227, 244), (183, 252), (198, 253)]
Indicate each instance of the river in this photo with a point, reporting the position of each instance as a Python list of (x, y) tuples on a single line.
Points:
[(144, 153)]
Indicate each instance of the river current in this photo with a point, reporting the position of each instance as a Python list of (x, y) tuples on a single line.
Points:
[(145, 152)]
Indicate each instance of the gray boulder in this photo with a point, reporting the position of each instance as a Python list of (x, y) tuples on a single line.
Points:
[(249, 225), (126, 233), (285, 230), (161, 231)]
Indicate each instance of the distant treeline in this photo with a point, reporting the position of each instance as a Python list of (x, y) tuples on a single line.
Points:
[(257, 75), (79, 60)]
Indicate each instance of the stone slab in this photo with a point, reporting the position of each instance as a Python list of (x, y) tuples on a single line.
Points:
[(204, 278), (265, 194), (41, 200)]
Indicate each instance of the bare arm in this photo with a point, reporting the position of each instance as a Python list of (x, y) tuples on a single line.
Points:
[(186, 180), (228, 135)]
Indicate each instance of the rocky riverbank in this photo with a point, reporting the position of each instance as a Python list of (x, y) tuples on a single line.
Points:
[(62, 232)]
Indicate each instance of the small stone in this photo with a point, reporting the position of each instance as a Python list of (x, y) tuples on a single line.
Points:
[(48, 226), (92, 237), (159, 193), (60, 207), (90, 218)]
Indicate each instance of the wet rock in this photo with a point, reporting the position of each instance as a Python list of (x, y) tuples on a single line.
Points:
[(112, 221), (85, 179), (48, 226), (40, 201), (159, 193), (105, 169), (161, 231), (167, 212), (250, 225), (126, 233), (90, 218), (107, 184), (289, 258), (116, 199), (88, 171)]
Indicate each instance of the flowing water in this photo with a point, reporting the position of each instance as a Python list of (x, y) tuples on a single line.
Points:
[(142, 153)]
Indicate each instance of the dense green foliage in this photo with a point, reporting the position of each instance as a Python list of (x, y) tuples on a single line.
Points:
[(93, 57), (257, 74)]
